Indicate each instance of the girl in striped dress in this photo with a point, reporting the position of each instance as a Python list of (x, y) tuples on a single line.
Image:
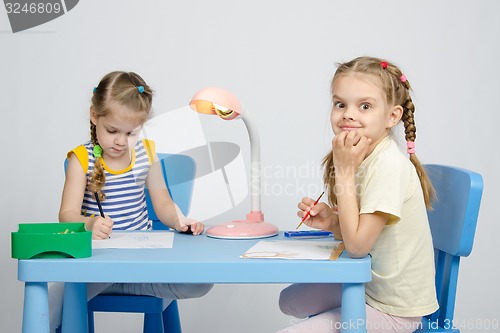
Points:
[(114, 167)]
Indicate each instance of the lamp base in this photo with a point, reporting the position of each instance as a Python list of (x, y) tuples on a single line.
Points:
[(243, 229)]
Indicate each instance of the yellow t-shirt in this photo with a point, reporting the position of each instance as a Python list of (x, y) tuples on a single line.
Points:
[(403, 270)]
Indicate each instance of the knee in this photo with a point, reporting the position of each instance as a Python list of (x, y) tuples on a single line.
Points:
[(288, 304), (192, 290), (203, 289), (284, 305)]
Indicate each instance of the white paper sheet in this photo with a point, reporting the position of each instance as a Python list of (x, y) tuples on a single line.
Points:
[(291, 249), (136, 240)]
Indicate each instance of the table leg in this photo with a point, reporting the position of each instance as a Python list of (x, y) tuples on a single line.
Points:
[(36, 307), (74, 318), (353, 313)]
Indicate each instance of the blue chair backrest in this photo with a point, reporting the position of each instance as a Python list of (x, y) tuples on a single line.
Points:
[(179, 173), (453, 222)]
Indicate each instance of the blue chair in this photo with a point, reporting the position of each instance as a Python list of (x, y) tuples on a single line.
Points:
[(453, 224), (160, 315)]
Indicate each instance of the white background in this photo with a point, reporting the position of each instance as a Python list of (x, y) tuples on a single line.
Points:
[(278, 57)]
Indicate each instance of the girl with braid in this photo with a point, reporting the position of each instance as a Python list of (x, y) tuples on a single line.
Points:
[(377, 205), (115, 166)]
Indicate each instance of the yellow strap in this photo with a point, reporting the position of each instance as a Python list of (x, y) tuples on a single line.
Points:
[(150, 149), (82, 155)]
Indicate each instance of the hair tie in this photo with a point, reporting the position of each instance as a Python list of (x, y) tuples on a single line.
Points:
[(97, 151), (410, 147), (402, 78), (384, 64), (140, 89), (95, 89)]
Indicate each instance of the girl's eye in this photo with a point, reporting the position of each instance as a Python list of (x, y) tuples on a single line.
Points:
[(338, 105), (132, 133), (365, 106), (111, 132)]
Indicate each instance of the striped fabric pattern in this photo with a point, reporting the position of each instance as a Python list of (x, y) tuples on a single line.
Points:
[(124, 189)]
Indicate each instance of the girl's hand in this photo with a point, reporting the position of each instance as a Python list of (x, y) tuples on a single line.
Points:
[(349, 150), (196, 227), (102, 227), (321, 216)]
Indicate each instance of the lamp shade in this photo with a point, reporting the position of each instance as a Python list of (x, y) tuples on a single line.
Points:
[(214, 100)]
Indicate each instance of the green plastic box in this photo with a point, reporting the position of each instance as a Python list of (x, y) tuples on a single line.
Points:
[(51, 240)]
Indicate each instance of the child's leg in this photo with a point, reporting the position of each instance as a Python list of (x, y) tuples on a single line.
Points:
[(376, 322), (94, 289), (162, 290), (306, 299), (380, 322), (322, 323)]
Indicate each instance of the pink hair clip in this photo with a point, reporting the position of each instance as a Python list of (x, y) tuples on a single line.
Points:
[(402, 78), (384, 64), (410, 147)]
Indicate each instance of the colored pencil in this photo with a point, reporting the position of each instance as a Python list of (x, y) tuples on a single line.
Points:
[(309, 211)]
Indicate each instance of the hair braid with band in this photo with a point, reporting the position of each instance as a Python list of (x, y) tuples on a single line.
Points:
[(410, 136), (98, 177)]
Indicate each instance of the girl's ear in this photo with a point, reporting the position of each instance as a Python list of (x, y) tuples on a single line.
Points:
[(93, 116), (395, 116)]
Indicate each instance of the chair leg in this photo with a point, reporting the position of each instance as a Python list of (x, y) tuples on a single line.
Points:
[(171, 319), (153, 323)]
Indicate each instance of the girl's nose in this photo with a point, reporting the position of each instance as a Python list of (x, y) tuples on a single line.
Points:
[(121, 140), (348, 113)]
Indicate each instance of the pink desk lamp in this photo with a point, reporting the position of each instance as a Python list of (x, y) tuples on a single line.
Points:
[(212, 100)]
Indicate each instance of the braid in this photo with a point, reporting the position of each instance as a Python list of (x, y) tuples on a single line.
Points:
[(329, 177), (97, 178), (408, 120), (410, 136)]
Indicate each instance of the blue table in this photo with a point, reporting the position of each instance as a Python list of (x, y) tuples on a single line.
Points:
[(191, 260)]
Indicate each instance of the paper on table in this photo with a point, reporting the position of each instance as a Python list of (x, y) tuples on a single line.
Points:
[(291, 249), (136, 240)]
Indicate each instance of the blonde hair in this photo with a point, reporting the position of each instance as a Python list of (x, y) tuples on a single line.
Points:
[(123, 88), (397, 92)]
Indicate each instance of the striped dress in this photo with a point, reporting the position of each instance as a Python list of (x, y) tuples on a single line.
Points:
[(125, 200)]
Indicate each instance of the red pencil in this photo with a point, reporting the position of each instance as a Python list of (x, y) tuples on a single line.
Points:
[(309, 211)]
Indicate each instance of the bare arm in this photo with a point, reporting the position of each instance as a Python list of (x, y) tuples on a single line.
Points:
[(359, 232), (166, 210), (72, 198)]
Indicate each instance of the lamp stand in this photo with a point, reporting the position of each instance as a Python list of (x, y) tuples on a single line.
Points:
[(253, 226)]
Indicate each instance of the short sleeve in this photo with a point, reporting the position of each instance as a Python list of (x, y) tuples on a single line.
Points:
[(385, 187), (82, 155)]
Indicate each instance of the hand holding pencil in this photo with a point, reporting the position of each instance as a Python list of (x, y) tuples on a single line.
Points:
[(102, 225), (309, 211), (322, 218)]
